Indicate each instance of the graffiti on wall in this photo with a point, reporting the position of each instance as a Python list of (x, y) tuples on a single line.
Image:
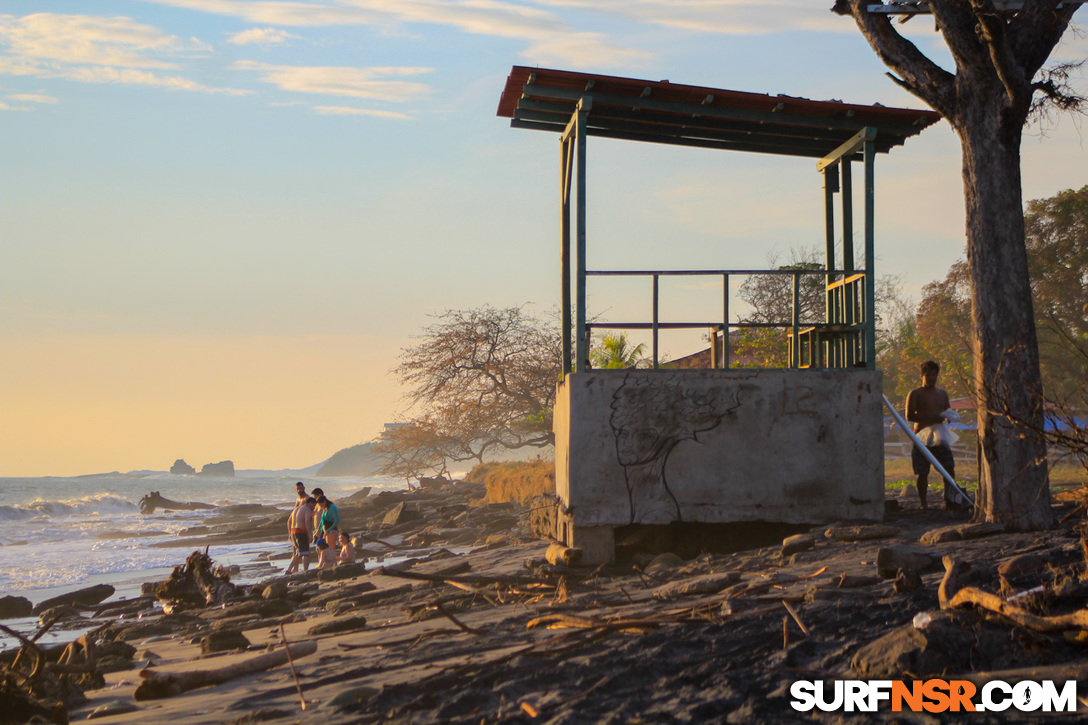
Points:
[(650, 416)]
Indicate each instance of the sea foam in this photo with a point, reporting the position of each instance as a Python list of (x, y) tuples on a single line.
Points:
[(96, 504)]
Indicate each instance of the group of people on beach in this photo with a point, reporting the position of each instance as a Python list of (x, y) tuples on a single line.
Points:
[(316, 519)]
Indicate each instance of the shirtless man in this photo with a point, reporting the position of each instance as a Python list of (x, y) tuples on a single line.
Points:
[(300, 528), (924, 408)]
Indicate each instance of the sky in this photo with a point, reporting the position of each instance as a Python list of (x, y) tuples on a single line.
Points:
[(222, 220)]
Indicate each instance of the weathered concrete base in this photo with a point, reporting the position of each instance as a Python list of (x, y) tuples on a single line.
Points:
[(596, 542), (715, 446)]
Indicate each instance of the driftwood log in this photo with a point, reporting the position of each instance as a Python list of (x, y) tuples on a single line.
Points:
[(195, 584), (157, 685), (952, 596)]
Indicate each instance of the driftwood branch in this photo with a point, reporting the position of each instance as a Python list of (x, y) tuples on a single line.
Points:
[(158, 685), (950, 584), (952, 596), (994, 603)]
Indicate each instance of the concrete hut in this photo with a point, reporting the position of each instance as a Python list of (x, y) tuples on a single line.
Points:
[(720, 444)]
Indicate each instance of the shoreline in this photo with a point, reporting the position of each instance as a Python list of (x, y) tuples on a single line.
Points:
[(489, 631)]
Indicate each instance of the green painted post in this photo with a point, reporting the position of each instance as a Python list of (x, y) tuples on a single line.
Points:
[(831, 184), (725, 321), (564, 249), (796, 356), (847, 218), (656, 357), (870, 254), (582, 351)]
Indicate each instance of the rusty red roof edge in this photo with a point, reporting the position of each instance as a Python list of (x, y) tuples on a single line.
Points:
[(614, 85)]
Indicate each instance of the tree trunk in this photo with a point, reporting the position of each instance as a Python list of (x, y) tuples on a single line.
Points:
[(1013, 487)]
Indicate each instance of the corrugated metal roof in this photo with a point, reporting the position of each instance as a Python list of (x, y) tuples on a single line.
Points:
[(664, 112)]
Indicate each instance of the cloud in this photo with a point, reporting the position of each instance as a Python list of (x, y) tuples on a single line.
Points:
[(369, 83), (88, 40), (549, 38), (7, 107), (261, 36), (32, 98), (733, 17), (90, 49), (583, 50), (352, 111)]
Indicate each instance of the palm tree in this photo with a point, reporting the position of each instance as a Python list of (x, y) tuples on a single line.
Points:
[(613, 352)]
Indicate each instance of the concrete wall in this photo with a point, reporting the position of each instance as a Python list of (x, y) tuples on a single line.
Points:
[(653, 447)]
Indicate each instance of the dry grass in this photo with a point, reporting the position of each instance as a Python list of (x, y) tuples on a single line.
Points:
[(515, 480), (1063, 475)]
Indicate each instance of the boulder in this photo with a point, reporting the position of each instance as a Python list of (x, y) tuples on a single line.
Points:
[(181, 468), (798, 543), (907, 581), (61, 611), (400, 514), (961, 532), (942, 646), (12, 607), (357, 497), (225, 640), (1023, 565), (86, 597), (338, 625), (663, 563), (909, 490), (709, 584), (891, 559)]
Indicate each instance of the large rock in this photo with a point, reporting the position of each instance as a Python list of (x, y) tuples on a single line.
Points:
[(225, 640), (942, 646), (961, 532), (86, 597), (797, 543), (709, 584), (61, 611), (180, 467), (12, 607), (890, 559), (400, 514), (347, 624), (223, 468)]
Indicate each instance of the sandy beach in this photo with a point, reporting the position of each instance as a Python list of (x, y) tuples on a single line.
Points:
[(476, 626)]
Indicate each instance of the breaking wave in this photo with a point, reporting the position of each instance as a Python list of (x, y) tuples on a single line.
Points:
[(98, 504)]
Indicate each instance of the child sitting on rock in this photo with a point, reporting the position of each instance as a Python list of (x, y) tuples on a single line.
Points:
[(347, 550), (326, 559)]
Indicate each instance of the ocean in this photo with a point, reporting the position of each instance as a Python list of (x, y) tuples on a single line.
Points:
[(62, 534)]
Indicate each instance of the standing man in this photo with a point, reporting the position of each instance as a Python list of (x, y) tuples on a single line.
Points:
[(300, 529), (924, 408)]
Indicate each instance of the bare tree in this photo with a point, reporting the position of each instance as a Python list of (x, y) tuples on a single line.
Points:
[(480, 381), (999, 56)]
